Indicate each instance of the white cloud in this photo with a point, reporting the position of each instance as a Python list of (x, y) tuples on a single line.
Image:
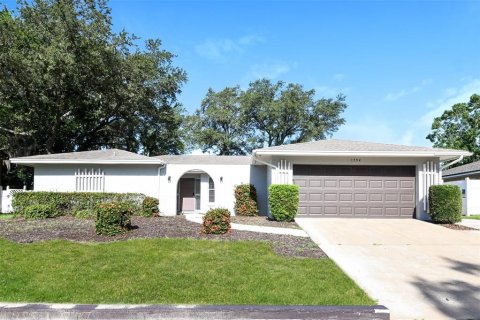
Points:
[(371, 128), (269, 71), (393, 96), (417, 132), (329, 91), (452, 96), (219, 49)]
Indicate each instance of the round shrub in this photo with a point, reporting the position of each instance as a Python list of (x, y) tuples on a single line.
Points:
[(445, 203), (283, 201), (216, 221), (85, 214), (246, 200), (149, 207), (39, 211), (113, 218)]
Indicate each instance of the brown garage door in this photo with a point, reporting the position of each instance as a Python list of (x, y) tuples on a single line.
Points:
[(356, 191)]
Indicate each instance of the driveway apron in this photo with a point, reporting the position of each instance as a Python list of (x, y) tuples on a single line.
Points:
[(416, 269)]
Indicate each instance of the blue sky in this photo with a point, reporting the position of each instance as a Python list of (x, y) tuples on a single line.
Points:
[(400, 63)]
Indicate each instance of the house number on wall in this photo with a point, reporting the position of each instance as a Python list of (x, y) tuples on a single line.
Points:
[(355, 160)]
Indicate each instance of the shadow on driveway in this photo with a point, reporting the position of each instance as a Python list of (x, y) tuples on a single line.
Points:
[(455, 299)]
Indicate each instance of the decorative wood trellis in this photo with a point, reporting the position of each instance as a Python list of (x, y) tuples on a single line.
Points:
[(90, 180)]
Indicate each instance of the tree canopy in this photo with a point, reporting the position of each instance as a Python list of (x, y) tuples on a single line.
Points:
[(233, 121), (459, 128), (69, 83)]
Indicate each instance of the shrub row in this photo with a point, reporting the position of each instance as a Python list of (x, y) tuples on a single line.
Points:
[(445, 203), (81, 204), (246, 200)]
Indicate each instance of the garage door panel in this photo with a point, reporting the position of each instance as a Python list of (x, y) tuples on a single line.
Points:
[(391, 197), (407, 197), (315, 197), (329, 183), (356, 191), (406, 184), (330, 210), (376, 184), (330, 197), (390, 184), (360, 197), (375, 211), (392, 211), (345, 197)]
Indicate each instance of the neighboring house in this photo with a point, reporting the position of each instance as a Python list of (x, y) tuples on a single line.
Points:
[(467, 177), (337, 178)]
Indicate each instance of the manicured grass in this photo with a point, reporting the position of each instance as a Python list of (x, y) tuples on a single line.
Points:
[(184, 271), (5, 216), (474, 217)]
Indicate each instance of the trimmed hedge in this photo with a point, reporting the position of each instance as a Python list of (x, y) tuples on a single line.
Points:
[(65, 203), (150, 207), (246, 200), (216, 221), (283, 201), (445, 203), (113, 218), (39, 211)]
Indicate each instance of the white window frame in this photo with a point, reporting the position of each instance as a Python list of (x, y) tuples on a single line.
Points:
[(211, 190)]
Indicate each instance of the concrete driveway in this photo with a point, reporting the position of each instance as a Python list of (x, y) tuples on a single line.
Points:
[(415, 268)]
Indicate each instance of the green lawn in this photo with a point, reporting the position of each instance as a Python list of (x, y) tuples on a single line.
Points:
[(475, 217), (5, 216), (184, 271)]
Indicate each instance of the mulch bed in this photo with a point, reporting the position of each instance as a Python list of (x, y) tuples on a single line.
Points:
[(70, 228), (263, 221), (455, 226)]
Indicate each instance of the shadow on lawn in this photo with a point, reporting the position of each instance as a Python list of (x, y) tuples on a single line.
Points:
[(454, 298)]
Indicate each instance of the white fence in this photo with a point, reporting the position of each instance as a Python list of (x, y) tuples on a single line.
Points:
[(471, 195), (6, 199)]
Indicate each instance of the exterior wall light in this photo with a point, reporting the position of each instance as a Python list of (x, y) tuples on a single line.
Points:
[(221, 179), (169, 179)]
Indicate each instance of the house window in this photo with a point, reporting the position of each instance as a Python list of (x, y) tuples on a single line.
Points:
[(89, 180), (211, 190)]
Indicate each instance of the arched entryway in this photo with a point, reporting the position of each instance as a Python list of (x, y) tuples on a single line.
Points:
[(195, 192)]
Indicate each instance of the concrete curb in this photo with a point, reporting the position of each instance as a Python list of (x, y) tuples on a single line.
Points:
[(197, 218), (110, 312), (471, 223)]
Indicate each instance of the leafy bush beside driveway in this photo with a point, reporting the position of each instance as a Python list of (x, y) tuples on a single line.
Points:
[(445, 203), (283, 200)]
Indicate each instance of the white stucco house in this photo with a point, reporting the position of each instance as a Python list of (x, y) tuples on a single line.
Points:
[(337, 178), (467, 177)]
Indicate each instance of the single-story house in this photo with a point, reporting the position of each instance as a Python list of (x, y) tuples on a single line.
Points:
[(337, 178), (467, 177)]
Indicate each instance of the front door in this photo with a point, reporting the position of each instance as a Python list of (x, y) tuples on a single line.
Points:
[(187, 194)]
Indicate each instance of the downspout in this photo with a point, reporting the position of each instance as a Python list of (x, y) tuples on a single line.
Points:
[(163, 165), (452, 163)]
